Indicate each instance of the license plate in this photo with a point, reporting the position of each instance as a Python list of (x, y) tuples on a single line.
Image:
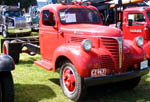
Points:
[(98, 72), (144, 64)]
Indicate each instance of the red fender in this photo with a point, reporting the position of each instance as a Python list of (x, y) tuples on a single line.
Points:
[(147, 49), (82, 60)]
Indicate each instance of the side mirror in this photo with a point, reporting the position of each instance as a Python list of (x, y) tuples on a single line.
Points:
[(130, 22)]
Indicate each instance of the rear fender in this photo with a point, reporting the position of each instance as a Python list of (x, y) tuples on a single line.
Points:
[(82, 60)]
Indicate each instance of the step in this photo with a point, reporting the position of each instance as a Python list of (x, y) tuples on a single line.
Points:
[(44, 64)]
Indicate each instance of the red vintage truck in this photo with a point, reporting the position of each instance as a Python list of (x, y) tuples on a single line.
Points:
[(73, 40)]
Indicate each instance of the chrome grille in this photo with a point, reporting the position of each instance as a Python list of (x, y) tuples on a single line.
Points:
[(106, 62), (20, 24), (113, 46)]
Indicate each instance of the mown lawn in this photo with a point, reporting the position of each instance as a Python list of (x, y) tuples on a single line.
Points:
[(34, 84)]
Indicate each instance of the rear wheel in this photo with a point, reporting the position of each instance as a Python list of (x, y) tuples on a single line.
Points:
[(6, 87), (71, 82), (14, 54)]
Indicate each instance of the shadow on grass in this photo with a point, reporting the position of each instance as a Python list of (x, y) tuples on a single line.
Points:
[(32, 93), (55, 80), (114, 93)]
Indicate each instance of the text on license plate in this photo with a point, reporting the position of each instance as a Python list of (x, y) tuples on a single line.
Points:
[(98, 72)]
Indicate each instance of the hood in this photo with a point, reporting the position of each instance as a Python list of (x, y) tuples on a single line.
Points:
[(91, 29)]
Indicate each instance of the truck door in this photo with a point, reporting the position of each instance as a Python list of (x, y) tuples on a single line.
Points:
[(134, 25), (48, 34)]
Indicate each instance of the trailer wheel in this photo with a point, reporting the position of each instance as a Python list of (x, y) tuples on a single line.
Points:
[(6, 87), (14, 54), (131, 83), (71, 82)]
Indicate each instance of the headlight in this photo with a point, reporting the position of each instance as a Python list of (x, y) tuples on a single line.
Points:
[(87, 45), (140, 41)]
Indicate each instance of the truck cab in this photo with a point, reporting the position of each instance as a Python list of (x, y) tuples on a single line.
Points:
[(136, 22), (12, 21)]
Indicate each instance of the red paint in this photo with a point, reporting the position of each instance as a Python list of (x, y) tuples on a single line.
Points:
[(64, 40), (145, 27), (69, 79)]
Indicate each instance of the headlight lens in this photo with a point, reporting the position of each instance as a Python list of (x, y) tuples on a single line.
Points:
[(140, 41), (87, 45)]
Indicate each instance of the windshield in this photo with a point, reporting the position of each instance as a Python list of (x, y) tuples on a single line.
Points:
[(13, 13), (79, 15), (148, 14)]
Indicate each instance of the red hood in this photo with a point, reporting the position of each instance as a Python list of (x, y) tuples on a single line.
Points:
[(91, 29)]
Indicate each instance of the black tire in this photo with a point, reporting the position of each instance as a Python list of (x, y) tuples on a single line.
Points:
[(13, 53), (6, 87), (130, 84), (77, 93)]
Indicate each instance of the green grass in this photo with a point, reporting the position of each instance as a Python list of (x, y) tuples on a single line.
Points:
[(34, 84)]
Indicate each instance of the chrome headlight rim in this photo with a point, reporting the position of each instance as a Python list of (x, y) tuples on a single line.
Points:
[(140, 41), (87, 44)]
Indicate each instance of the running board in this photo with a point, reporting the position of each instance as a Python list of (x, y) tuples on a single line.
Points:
[(44, 64)]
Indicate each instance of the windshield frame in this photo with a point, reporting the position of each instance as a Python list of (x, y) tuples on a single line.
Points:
[(93, 10)]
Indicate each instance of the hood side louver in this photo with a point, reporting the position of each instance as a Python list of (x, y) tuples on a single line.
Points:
[(77, 39)]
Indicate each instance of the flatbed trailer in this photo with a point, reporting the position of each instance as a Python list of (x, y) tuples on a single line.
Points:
[(32, 44)]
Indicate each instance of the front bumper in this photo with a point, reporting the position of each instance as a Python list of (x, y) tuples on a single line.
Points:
[(115, 78), (18, 30)]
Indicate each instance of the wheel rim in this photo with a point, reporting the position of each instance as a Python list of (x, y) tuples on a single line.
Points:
[(69, 80), (4, 50)]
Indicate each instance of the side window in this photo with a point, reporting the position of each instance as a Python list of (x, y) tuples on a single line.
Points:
[(136, 17), (48, 18)]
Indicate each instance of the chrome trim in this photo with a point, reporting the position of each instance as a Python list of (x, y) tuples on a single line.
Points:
[(120, 42)]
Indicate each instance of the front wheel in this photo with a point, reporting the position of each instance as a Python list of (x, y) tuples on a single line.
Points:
[(71, 82), (6, 87)]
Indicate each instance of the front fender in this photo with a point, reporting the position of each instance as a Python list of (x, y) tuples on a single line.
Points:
[(133, 53), (147, 49), (6, 63), (82, 60)]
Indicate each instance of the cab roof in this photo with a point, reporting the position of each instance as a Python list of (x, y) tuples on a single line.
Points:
[(57, 7), (134, 9)]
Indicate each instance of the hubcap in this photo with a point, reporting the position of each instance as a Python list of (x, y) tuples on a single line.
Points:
[(69, 79)]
